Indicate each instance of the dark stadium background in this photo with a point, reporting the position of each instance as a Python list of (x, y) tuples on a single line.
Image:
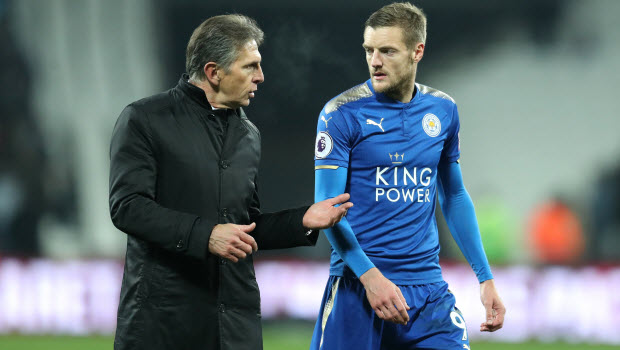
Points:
[(535, 82)]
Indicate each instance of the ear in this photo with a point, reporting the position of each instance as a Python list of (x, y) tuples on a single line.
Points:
[(418, 52), (211, 71)]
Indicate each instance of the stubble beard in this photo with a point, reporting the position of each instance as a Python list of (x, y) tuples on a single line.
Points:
[(398, 89)]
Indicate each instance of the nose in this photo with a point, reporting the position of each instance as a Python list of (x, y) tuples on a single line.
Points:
[(375, 60), (259, 77)]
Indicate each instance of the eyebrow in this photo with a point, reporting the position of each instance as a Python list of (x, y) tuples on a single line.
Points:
[(252, 63), (380, 47)]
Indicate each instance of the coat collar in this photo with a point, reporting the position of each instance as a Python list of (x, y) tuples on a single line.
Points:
[(192, 91), (197, 95)]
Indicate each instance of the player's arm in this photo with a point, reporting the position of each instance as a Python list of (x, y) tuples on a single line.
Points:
[(458, 209), (383, 295), (329, 183)]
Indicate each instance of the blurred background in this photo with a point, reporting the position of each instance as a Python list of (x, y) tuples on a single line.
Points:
[(535, 82)]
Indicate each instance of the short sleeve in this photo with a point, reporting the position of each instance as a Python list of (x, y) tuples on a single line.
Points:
[(334, 139), (452, 148)]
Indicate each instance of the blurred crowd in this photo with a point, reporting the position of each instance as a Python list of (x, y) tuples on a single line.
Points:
[(22, 155), (28, 188), (560, 229)]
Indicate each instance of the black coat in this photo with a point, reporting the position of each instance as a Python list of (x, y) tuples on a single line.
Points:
[(177, 169)]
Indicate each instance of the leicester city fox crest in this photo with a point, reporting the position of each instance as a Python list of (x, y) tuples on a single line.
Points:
[(431, 125), (324, 145)]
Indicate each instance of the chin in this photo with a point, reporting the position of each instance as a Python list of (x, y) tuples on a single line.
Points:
[(380, 86)]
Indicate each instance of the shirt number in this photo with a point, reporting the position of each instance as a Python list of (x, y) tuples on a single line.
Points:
[(458, 321)]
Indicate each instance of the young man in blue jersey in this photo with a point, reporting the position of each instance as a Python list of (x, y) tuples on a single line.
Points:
[(393, 145)]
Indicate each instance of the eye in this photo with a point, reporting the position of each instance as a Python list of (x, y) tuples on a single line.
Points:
[(252, 66)]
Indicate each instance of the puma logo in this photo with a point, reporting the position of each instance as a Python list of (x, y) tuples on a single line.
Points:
[(323, 119), (372, 122)]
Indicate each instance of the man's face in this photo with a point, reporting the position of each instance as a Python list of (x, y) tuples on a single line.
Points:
[(239, 84), (391, 64)]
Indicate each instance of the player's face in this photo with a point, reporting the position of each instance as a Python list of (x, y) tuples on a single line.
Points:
[(392, 66), (239, 84)]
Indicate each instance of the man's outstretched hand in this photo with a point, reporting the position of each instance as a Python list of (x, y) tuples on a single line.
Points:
[(493, 305), (327, 213)]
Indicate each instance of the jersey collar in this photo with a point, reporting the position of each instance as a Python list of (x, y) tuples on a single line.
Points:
[(385, 99)]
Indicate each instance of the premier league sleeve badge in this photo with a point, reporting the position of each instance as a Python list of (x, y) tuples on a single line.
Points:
[(323, 146)]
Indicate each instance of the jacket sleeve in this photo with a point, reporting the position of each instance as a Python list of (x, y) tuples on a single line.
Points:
[(282, 229), (133, 176)]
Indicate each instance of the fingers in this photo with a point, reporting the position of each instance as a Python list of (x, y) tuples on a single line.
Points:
[(496, 322), (494, 308), (380, 313), (230, 257), (242, 246), (341, 212), (402, 299), (235, 254), (327, 213), (239, 253), (231, 241), (385, 298), (338, 199), (246, 242), (401, 311), (391, 313), (247, 228), (488, 307), (346, 206), (387, 314), (396, 310), (249, 240), (499, 319), (486, 328), (402, 306)]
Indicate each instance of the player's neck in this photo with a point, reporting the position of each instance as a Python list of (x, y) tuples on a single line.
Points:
[(403, 93)]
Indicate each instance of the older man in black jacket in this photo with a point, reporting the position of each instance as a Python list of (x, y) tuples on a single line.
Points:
[(183, 187)]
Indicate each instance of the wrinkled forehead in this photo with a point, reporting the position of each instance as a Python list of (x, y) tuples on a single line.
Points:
[(383, 36), (248, 53)]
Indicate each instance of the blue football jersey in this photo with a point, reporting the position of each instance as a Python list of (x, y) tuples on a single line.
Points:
[(391, 150)]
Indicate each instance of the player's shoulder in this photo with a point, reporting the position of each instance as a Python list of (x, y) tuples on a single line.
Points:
[(350, 100), (435, 96)]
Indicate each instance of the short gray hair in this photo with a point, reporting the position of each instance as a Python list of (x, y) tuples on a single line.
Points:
[(219, 39), (408, 17)]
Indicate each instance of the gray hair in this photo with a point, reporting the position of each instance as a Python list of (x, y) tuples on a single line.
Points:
[(219, 39), (408, 17)]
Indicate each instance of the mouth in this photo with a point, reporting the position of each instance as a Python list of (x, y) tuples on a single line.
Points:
[(252, 93), (379, 75)]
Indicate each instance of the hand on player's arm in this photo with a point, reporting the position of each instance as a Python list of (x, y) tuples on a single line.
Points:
[(232, 242), (493, 305), (385, 297), (327, 213)]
